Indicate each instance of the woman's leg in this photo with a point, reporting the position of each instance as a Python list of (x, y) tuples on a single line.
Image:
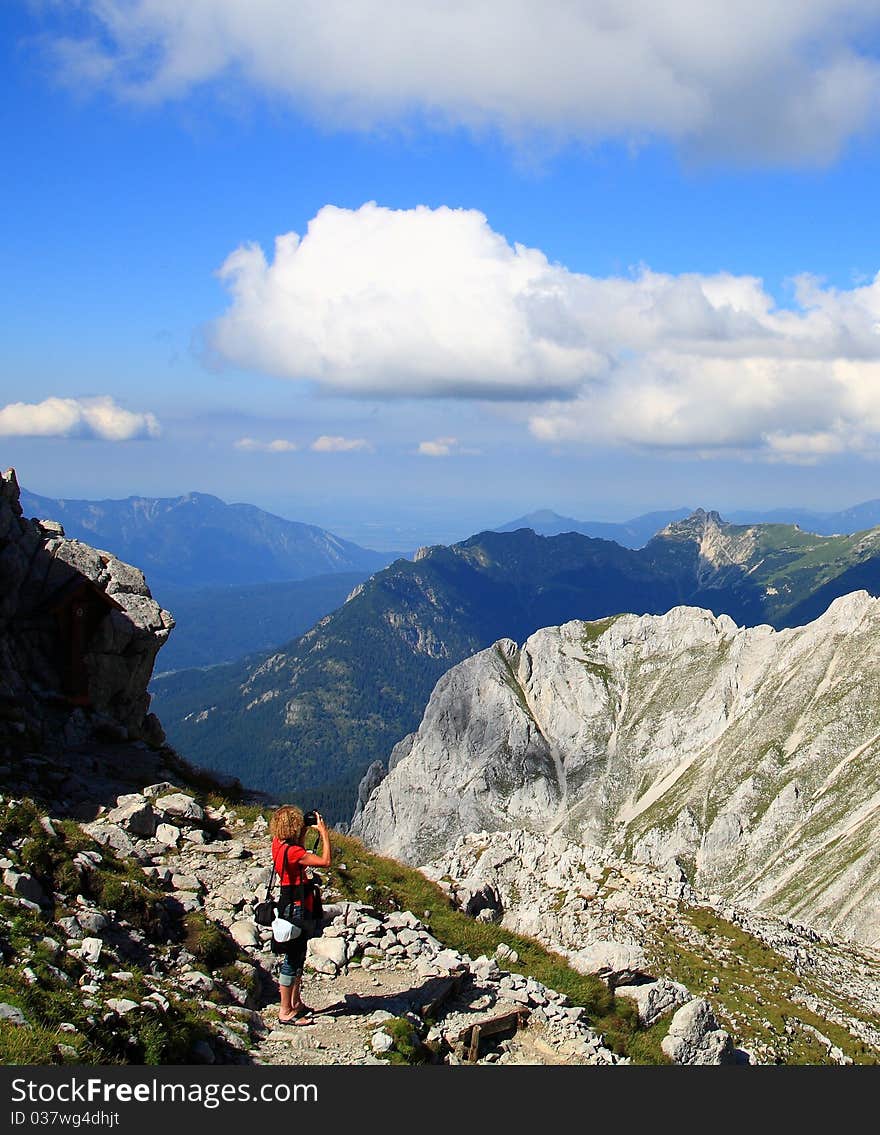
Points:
[(297, 959), (290, 983), (285, 988)]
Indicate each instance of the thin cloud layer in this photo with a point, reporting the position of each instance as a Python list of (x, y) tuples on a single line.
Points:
[(100, 419), (254, 445), (439, 447), (434, 303), (779, 82), (328, 444)]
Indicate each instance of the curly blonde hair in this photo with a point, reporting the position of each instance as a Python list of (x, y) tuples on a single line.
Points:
[(287, 823)]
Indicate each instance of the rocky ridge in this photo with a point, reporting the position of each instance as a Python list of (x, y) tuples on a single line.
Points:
[(748, 755), (79, 633)]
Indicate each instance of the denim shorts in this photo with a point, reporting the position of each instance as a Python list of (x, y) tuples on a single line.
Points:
[(293, 961)]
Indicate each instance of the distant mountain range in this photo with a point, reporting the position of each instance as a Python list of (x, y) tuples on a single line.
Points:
[(630, 533), (198, 540), (306, 720), (637, 532), (856, 519)]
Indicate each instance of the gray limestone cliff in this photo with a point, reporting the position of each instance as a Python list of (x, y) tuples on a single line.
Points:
[(748, 755), (79, 633)]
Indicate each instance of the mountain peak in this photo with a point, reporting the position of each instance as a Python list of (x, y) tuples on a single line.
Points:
[(696, 525)]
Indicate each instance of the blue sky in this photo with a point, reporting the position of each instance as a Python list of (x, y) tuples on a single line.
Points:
[(405, 368)]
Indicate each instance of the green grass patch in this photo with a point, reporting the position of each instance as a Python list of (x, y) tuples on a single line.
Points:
[(18, 820), (595, 628), (408, 1047), (754, 998), (598, 670), (644, 1045), (208, 942), (118, 886), (143, 1036)]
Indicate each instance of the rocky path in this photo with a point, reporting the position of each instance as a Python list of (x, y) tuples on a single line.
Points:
[(367, 969), (352, 1008), (369, 976)]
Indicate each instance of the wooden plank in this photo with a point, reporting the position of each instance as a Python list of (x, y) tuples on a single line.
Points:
[(492, 1025), (513, 1021), (471, 1036), (474, 1047)]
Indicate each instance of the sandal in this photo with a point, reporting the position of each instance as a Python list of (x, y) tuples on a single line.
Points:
[(301, 1016)]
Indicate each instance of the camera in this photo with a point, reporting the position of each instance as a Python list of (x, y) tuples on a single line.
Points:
[(310, 819)]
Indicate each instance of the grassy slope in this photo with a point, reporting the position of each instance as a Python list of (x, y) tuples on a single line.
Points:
[(755, 991), (51, 998), (754, 995)]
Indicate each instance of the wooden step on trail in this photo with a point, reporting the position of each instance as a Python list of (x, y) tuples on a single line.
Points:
[(505, 1024)]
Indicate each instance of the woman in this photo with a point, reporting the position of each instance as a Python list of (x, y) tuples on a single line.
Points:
[(288, 831)]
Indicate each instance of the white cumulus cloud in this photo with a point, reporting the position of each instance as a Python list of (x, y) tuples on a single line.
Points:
[(788, 409), (97, 418), (331, 444), (254, 445), (402, 302), (776, 82), (432, 302)]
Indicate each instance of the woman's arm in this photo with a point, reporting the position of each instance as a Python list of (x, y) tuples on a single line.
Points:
[(310, 859)]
